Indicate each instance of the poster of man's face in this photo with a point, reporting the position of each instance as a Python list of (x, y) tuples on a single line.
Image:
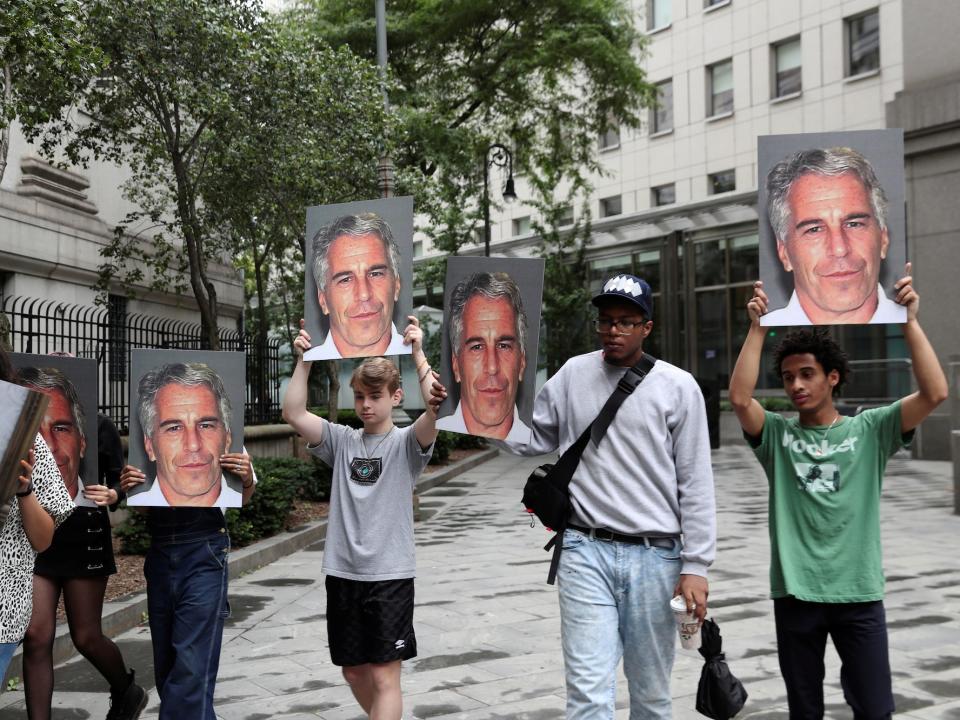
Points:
[(69, 426), (359, 271), (491, 329), (186, 410), (833, 230)]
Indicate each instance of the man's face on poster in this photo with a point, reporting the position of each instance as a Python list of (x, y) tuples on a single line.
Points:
[(60, 432), (488, 365), (186, 444), (361, 289), (834, 244)]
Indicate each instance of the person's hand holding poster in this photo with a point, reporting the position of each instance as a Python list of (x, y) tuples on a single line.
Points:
[(833, 240), (489, 349), (359, 271), (186, 413)]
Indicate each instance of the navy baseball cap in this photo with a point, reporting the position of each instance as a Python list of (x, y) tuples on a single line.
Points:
[(628, 287)]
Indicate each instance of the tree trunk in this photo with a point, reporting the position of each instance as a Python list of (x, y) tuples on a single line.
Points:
[(332, 369), (5, 131), (263, 398), (203, 289)]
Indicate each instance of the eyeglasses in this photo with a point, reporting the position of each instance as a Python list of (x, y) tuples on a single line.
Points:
[(626, 326)]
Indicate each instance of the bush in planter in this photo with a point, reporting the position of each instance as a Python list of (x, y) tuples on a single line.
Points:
[(442, 447), (134, 538), (278, 484), (469, 442)]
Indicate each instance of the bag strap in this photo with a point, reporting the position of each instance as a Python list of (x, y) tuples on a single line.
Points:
[(567, 464), (628, 383)]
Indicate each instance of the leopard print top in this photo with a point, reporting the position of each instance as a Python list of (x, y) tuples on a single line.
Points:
[(16, 553)]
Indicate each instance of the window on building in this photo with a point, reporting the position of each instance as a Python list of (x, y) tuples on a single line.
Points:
[(744, 258), (565, 216), (715, 3), (786, 63), (658, 14), (720, 88), (863, 43), (611, 206), (603, 269), (646, 264), (664, 195), (611, 138), (723, 181), (521, 225), (663, 112), (418, 248)]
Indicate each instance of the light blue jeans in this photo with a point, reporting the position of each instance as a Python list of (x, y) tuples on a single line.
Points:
[(6, 655), (615, 602)]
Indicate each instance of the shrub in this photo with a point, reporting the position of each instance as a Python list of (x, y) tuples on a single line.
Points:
[(316, 486), (442, 447), (133, 534), (469, 442), (267, 511), (344, 416)]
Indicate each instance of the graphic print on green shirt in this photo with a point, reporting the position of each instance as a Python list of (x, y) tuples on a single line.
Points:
[(824, 503)]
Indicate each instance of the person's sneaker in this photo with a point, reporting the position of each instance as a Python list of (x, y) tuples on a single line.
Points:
[(128, 704)]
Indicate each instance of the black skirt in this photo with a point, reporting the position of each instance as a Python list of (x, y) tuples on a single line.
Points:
[(82, 547)]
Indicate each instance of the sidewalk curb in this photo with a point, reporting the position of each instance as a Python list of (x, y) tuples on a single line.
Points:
[(122, 615)]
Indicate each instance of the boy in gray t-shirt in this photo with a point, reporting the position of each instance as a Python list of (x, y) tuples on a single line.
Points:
[(369, 551)]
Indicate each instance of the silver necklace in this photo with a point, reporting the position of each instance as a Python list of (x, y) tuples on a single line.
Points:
[(363, 442), (825, 442)]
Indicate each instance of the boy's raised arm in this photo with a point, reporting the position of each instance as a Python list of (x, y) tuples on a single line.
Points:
[(743, 381), (425, 426), (932, 387), (295, 410)]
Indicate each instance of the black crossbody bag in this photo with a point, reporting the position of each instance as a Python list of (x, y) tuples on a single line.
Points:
[(545, 493)]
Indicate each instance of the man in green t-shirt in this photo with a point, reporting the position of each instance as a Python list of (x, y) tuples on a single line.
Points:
[(825, 473)]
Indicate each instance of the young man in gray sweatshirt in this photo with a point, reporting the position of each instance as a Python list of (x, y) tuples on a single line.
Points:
[(648, 483)]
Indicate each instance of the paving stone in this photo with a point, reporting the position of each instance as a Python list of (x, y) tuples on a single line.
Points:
[(488, 625)]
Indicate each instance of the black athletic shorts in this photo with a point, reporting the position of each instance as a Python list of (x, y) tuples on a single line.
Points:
[(370, 622)]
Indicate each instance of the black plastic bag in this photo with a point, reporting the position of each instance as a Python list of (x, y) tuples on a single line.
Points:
[(719, 695)]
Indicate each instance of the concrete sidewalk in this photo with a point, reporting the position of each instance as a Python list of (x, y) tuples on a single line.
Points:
[(488, 626)]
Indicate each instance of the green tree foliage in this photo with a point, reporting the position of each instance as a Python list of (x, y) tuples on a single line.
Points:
[(46, 59), (176, 79), (546, 78), (312, 132)]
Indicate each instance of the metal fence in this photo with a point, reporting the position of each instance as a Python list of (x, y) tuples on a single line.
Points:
[(108, 334)]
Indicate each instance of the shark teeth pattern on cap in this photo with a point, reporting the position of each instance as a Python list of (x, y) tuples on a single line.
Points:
[(625, 285)]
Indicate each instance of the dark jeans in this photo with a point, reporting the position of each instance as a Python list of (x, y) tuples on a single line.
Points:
[(859, 633), (187, 599)]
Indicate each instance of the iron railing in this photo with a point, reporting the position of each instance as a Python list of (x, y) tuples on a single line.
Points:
[(33, 325)]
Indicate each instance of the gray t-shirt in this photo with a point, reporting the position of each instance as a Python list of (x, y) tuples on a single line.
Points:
[(370, 530)]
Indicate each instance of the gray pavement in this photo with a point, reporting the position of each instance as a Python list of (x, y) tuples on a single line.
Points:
[(488, 626)]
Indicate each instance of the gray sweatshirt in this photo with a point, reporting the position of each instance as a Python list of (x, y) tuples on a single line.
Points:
[(651, 474)]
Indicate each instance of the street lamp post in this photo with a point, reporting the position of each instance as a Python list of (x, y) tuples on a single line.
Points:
[(385, 166), (501, 157)]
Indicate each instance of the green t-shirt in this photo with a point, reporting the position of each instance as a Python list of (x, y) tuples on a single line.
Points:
[(824, 503)]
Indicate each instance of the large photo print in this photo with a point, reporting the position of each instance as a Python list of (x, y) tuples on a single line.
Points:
[(491, 332), (69, 425), (833, 230), (186, 410), (357, 285)]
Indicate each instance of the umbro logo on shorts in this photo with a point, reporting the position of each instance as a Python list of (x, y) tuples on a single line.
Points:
[(400, 644)]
